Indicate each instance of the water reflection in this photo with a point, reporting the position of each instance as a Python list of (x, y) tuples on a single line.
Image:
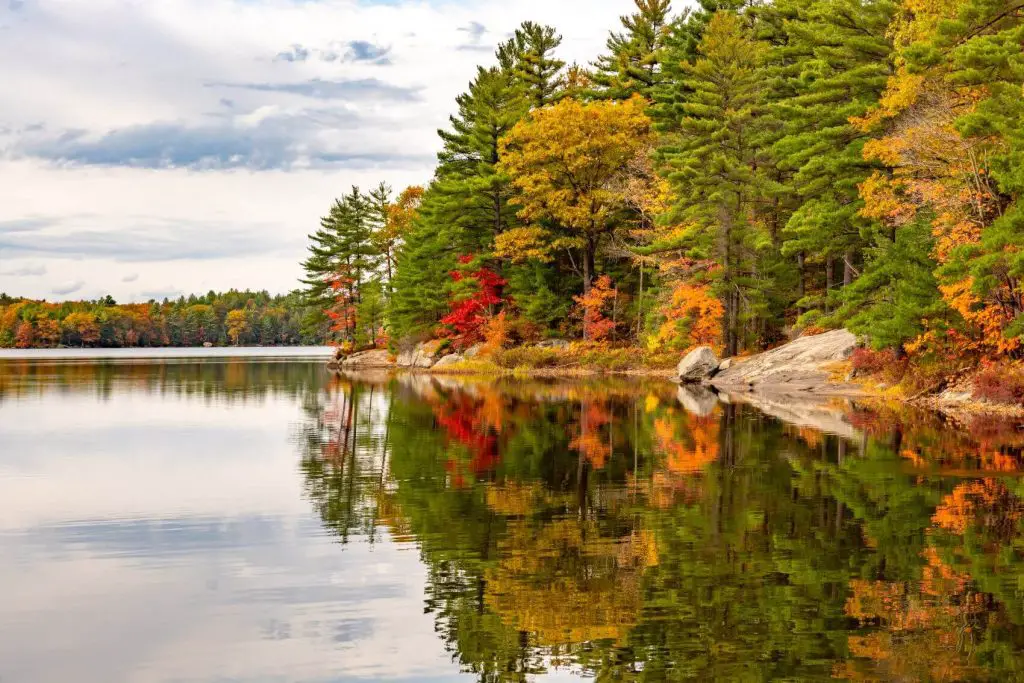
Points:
[(628, 530), (253, 520)]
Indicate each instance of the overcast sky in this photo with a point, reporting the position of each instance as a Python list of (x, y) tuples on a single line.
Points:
[(156, 147)]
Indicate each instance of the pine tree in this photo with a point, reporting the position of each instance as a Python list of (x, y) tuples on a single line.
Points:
[(897, 292), (835, 62), (467, 205), (987, 36), (342, 250), (714, 163), (633, 65), (528, 58)]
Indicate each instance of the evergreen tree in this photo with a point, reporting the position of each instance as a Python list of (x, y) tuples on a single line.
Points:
[(528, 58), (342, 256), (714, 164), (835, 64), (897, 291), (633, 65)]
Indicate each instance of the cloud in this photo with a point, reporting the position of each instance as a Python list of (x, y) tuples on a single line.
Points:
[(19, 225), (357, 90), (68, 288), (131, 277), (353, 51), (296, 53), (152, 239), (366, 52), (26, 271), (261, 140), (475, 30), (161, 294)]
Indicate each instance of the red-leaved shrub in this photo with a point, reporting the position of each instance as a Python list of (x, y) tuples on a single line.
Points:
[(884, 364), (1000, 384)]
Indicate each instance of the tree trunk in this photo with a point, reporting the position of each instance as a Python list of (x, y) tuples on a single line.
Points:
[(640, 305), (589, 255), (848, 268), (801, 287), (830, 273), (588, 276)]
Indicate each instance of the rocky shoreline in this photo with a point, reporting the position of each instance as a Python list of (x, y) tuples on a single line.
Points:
[(790, 379)]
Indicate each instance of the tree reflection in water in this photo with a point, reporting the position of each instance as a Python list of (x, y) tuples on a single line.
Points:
[(620, 530)]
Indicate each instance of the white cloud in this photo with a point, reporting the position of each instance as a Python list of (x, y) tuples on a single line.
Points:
[(68, 288), (172, 136)]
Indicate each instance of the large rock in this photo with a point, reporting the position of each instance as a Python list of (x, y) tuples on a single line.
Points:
[(697, 365), (474, 351), (423, 355), (447, 361), (556, 344), (378, 358), (801, 365)]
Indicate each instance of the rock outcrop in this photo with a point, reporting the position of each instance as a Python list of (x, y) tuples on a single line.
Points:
[(556, 344), (377, 358), (446, 361), (697, 366), (800, 366), (423, 355)]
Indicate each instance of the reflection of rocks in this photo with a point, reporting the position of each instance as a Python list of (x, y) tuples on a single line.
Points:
[(697, 400), (697, 365), (799, 366), (378, 358), (810, 411)]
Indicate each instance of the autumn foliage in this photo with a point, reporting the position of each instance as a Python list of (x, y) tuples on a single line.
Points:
[(469, 315)]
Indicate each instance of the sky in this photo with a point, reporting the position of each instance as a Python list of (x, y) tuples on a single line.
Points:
[(153, 148)]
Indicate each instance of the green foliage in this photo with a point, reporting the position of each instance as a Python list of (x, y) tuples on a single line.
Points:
[(713, 164), (633, 65), (897, 292)]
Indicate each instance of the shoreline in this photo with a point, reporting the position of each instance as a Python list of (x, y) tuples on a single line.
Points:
[(789, 372)]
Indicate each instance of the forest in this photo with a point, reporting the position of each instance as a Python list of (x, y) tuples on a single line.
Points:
[(230, 318), (733, 174)]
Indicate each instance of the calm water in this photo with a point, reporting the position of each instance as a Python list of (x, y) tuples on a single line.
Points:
[(258, 520)]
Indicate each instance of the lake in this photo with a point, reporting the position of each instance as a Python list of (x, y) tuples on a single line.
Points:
[(242, 518)]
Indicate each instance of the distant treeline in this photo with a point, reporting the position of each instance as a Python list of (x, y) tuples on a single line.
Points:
[(229, 318)]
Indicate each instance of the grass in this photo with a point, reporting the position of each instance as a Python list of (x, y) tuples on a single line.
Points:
[(577, 360)]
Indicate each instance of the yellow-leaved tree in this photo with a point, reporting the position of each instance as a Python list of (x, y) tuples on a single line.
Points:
[(570, 164)]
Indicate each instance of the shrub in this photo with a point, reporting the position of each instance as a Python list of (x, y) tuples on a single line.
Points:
[(1000, 384), (884, 364), (526, 357)]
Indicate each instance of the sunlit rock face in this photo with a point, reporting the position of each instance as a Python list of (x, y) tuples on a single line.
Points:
[(801, 365), (697, 365)]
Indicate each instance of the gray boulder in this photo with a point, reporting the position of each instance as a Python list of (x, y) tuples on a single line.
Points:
[(474, 351), (801, 365), (450, 359), (422, 355), (697, 366), (557, 344), (377, 358)]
